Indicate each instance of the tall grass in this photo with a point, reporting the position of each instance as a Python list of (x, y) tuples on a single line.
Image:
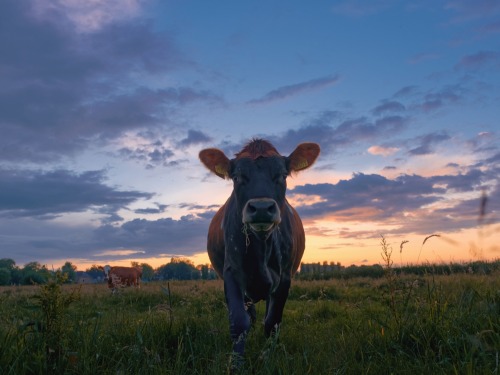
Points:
[(401, 324)]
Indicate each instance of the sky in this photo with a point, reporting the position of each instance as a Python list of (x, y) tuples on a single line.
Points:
[(105, 105)]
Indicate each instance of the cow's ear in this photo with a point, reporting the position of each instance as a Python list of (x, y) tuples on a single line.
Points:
[(303, 156), (215, 160)]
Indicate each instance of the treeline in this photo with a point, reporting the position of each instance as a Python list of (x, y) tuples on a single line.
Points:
[(327, 271), (36, 273), (184, 269)]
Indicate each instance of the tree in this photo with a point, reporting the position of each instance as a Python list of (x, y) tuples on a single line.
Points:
[(70, 270), (147, 272), (95, 272), (8, 263), (178, 270), (206, 272), (34, 272), (4, 276), (8, 269)]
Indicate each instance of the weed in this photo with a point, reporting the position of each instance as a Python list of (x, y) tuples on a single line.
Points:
[(50, 324)]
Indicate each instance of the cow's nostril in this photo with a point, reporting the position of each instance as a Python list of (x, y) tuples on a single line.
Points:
[(261, 210)]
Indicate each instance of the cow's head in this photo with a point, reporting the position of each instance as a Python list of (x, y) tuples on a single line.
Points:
[(106, 270), (259, 176), (139, 271)]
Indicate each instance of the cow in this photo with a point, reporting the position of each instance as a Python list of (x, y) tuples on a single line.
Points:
[(122, 276), (256, 239)]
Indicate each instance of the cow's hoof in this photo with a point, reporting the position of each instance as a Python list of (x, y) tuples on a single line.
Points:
[(235, 363)]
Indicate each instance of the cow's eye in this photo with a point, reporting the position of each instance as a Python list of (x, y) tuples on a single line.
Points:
[(280, 178), (238, 179)]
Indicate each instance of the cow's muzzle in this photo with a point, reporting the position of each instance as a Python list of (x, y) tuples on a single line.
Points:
[(261, 215)]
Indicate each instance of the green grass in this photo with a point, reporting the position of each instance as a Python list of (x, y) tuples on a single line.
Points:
[(443, 324)]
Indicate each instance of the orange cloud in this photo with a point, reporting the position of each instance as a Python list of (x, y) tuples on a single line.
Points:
[(381, 150)]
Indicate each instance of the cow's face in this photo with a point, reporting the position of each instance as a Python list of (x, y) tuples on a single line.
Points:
[(259, 179), (106, 270), (259, 188)]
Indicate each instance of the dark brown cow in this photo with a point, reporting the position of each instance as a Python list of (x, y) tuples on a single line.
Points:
[(256, 239), (122, 276)]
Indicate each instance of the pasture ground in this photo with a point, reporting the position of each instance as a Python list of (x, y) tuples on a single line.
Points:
[(395, 325)]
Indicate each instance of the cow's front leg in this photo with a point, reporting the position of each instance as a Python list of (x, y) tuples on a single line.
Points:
[(274, 308), (239, 320)]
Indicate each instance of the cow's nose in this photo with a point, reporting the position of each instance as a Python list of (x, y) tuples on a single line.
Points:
[(261, 210)]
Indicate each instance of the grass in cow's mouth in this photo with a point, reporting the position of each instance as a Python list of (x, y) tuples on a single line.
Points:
[(261, 227)]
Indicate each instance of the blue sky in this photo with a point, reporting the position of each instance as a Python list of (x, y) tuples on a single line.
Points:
[(104, 106)]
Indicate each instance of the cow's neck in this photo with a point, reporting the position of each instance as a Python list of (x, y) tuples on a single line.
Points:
[(261, 259)]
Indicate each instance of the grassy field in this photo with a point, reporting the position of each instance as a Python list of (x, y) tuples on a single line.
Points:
[(394, 325)]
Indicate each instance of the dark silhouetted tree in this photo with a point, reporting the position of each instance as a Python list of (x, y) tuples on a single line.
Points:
[(147, 272), (69, 269)]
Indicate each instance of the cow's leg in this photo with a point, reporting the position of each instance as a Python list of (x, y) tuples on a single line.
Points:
[(250, 307), (239, 320), (274, 308)]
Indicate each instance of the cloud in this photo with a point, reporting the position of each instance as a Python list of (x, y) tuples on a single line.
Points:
[(195, 137), (160, 208), (411, 99), (26, 193), (374, 198), (87, 16), (296, 89), (331, 133), (63, 91), (147, 148), (466, 11), (426, 143), (151, 154), (49, 241), (406, 91), (435, 100), (185, 236), (479, 60), (369, 197), (390, 106), (463, 182), (332, 137), (381, 150), (490, 28)]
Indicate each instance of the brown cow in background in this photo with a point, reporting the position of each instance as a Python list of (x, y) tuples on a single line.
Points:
[(122, 276)]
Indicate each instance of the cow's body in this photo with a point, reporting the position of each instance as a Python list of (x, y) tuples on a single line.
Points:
[(256, 239), (122, 276)]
